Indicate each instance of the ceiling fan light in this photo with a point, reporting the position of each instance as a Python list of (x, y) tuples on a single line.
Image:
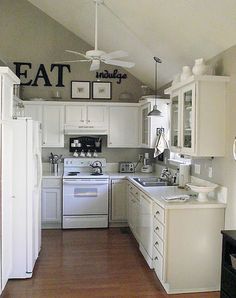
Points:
[(154, 112)]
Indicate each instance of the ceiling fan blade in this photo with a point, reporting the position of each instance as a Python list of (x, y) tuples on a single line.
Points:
[(77, 53), (71, 61), (115, 54), (120, 63), (95, 65)]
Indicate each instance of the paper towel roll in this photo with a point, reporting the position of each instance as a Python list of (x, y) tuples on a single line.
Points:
[(184, 174)]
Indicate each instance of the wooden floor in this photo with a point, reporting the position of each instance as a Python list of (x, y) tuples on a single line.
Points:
[(91, 263)]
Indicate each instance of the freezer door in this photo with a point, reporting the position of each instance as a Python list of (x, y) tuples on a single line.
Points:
[(7, 197)]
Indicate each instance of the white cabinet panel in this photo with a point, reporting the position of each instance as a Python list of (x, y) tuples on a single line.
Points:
[(146, 223), (119, 200), (123, 127), (75, 114), (34, 111), (53, 126), (97, 116), (51, 203)]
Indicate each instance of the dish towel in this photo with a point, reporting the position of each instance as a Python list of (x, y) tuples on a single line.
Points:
[(161, 144)]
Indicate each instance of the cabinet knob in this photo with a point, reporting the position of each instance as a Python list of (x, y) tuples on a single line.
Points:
[(110, 143), (88, 120), (156, 243), (157, 212), (157, 228), (156, 258)]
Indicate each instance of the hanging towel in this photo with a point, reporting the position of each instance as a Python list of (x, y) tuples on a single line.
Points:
[(161, 144)]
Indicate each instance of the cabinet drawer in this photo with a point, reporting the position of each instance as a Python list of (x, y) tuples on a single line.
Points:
[(159, 213), (157, 263), (134, 190), (52, 182), (158, 228), (228, 282), (158, 243)]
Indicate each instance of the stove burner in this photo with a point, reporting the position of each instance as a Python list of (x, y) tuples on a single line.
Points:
[(73, 173), (96, 174)]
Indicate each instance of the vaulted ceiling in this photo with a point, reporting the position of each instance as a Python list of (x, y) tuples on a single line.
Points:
[(177, 31)]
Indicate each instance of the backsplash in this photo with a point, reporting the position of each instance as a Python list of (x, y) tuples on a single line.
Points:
[(112, 155)]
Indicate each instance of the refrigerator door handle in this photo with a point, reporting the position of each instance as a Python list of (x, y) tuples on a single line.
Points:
[(39, 170)]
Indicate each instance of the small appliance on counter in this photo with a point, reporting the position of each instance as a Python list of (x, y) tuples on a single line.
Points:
[(147, 164), (126, 167)]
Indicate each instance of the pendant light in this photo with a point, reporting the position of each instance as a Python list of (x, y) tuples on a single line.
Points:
[(155, 111)]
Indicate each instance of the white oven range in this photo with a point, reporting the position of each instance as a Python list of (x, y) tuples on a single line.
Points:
[(85, 193)]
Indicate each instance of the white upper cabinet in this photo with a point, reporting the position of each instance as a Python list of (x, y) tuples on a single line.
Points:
[(86, 118), (123, 127), (198, 116), (53, 126), (52, 118), (149, 125), (34, 111), (7, 81)]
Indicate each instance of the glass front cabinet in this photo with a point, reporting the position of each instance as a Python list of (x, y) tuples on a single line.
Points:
[(198, 116), (182, 120)]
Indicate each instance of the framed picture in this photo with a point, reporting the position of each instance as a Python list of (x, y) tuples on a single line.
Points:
[(101, 90), (80, 89)]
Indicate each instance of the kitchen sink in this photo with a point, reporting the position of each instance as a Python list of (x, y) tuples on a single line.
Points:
[(151, 181)]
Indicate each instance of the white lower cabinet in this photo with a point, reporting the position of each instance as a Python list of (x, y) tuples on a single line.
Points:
[(51, 203), (146, 232), (119, 200), (187, 248), (133, 210)]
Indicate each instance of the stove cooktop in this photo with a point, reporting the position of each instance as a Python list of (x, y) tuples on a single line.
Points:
[(84, 175)]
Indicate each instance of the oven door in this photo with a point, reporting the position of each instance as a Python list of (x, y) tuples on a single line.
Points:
[(85, 196)]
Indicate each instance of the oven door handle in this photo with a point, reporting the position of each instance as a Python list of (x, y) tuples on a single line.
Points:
[(91, 182)]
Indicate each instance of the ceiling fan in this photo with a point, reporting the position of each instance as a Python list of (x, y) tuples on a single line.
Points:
[(97, 56)]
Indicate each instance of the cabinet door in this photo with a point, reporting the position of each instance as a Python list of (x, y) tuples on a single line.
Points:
[(51, 205), (175, 138), (6, 203), (119, 200), (123, 127), (75, 115), (53, 126), (188, 119), (6, 97), (146, 223), (97, 116), (145, 125), (34, 111)]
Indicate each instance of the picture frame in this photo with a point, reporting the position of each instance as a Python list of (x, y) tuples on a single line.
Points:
[(101, 90), (80, 90)]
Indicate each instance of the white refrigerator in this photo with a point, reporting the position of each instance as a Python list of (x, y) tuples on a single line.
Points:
[(26, 203)]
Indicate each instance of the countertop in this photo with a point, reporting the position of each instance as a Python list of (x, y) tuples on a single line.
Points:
[(156, 193)]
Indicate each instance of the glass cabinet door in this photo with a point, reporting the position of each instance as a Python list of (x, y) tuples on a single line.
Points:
[(175, 127), (188, 118), (144, 136)]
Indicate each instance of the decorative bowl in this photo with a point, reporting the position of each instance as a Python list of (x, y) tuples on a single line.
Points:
[(202, 190)]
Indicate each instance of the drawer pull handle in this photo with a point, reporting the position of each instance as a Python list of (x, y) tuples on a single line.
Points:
[(157, 228), (157, 212), (156, 244), (156, 258)]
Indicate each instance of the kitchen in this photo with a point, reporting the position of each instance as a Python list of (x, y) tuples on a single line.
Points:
[(221, 166)]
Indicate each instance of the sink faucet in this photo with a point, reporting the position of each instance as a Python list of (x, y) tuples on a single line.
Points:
[(166, 175)]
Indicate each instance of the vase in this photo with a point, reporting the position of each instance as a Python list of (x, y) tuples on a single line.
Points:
[(200, 68), (186, 73)]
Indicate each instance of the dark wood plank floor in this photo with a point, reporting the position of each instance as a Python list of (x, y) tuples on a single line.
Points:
[(91, 263)]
